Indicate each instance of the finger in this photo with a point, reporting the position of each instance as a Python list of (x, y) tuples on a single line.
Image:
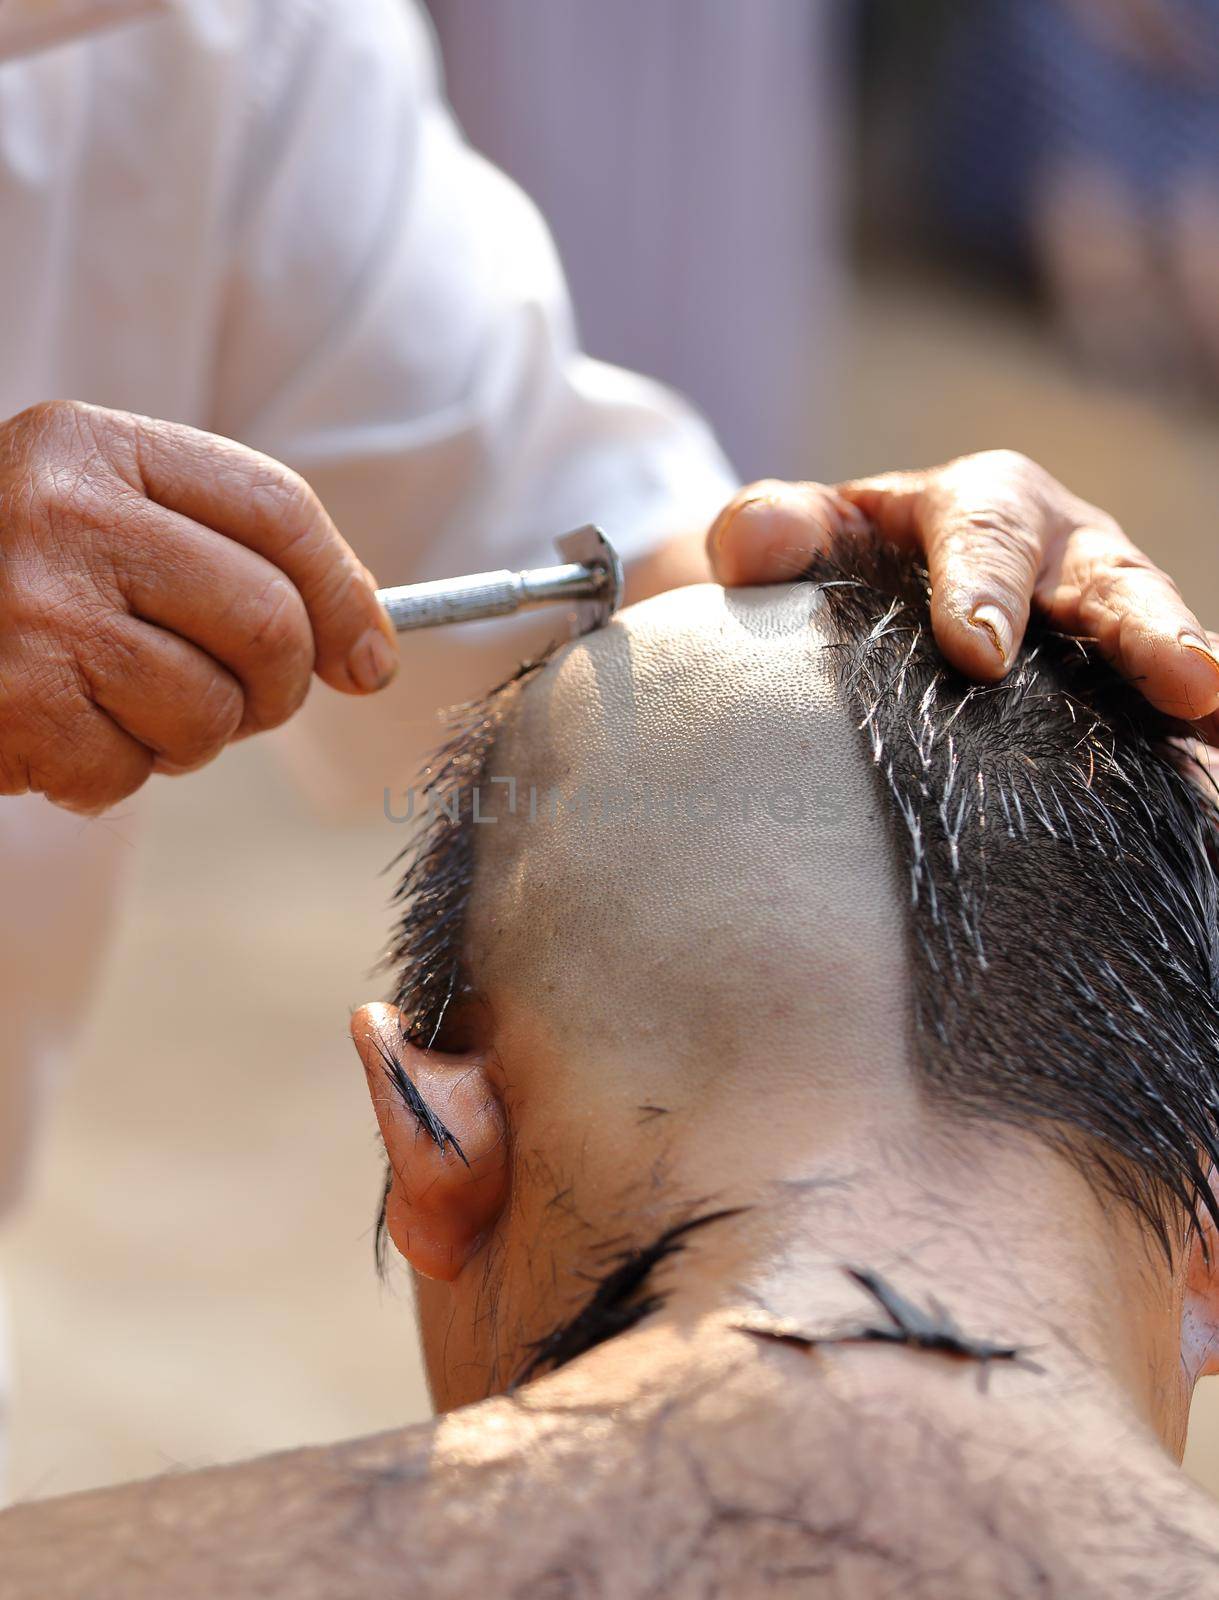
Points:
[(91, 765), (771, 530), (56, 742), (1105, 588), (261, 504), (889, 501), (163, 691), (233, 604), (982, 525)]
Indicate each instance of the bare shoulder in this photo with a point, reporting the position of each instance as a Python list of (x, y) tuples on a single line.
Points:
[(666, 1469)]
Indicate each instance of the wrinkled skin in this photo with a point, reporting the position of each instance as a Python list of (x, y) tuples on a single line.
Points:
[(162, 592), (999, 534)]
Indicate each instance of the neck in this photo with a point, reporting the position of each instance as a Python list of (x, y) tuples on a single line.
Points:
[(858, 1459), (1001, 1233)]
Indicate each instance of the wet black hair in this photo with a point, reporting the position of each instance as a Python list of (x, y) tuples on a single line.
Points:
[(426, 952), (1057, 850), (1058, 847)]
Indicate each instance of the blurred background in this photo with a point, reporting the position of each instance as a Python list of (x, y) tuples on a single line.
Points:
[(862, 234)]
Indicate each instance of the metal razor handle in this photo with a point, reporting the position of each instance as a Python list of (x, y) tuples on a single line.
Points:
[(485, 594), (594, 579)]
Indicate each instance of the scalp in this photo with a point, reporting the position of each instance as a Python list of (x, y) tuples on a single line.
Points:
[(696, 860)]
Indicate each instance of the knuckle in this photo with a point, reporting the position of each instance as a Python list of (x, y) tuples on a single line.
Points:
[(214, 717), (66, 503), (1099, 540), (40, 449), (117, 646), (107, 655), (1133, 561), (1004, 472), (279, 628), (998, 519), (338, 602), (997, 537), (46, 415), (43, 702), (1004, 477), (280, 641), (1012, 463), (282, 498), (53, 429), (291, 700), (1100, 605), (1119, 583), (300, 539), (274, 708)]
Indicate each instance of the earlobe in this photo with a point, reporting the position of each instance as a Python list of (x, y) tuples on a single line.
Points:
[(445, 1134)]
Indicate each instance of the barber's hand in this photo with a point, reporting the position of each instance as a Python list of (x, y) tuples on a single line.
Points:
[(998, 533), (162, 592)]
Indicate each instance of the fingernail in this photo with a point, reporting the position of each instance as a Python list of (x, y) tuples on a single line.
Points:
[(729, 515), (373, 661), (1200, 646), (998, 625)]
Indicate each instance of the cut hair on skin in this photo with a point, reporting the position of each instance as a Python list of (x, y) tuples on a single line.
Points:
[(1056, 850)]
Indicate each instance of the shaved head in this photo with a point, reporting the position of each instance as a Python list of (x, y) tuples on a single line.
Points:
[(691, 862)]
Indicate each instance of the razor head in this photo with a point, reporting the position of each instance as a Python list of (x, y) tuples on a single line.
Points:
[(589, 547)]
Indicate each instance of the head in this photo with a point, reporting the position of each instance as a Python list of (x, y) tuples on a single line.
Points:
[(751, 876)]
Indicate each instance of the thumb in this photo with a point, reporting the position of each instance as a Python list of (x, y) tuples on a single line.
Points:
[(771, 530)]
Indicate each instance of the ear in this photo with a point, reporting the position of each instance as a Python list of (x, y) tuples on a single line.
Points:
[(1200, 1321), (445, 1134)]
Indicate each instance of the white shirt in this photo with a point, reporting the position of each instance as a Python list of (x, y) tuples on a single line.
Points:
[(258, 217)]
